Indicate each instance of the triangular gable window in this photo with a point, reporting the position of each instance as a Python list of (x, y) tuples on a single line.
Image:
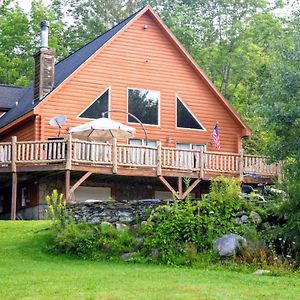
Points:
[(185, 118), (99, 106)]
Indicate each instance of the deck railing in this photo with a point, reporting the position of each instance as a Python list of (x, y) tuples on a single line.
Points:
[(40, 151), (91, 152), (134, 156)]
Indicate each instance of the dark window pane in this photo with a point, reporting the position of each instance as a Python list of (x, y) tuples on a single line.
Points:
[(97, 108), (144, 105), (184, 118)]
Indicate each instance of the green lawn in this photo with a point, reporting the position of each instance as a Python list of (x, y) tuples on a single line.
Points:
[(29, 272)]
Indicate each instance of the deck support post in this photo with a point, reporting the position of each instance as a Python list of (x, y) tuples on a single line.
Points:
[(14, 178), (180, 187), (14, 196), (67, 185), (241, 165)]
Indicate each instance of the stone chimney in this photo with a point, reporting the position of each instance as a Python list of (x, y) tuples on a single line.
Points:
[(44, 65)]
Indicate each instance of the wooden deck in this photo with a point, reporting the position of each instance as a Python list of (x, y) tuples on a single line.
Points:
[(132, 160)]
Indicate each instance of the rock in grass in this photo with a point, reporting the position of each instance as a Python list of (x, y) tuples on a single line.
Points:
[(255, 217), (244, 219), (127, 256), (261, 272), (120, 226), (229, 244)]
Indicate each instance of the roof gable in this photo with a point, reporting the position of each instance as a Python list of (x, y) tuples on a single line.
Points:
[(70, 64)]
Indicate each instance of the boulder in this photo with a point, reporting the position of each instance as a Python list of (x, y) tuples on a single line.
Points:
[(229, 244), (261, 272), (120, 226), (106, 224), (127, 256), (244, 219), (237, 221), (255, 217)]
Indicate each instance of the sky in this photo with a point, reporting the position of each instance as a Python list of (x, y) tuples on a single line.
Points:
[(25, 4)]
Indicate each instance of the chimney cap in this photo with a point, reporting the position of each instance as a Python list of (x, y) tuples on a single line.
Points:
[(44, 24)]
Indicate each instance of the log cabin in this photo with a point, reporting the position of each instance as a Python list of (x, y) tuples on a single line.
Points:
[(137, 68)]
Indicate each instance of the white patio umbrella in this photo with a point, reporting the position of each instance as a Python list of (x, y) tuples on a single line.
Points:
[(102, 129)]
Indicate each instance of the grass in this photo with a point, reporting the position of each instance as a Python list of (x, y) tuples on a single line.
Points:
[(27, 271)]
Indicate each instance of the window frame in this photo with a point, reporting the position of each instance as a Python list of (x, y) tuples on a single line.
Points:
[(143, 142), (191, 146), (189, 110), (87, 107), (158, 108)]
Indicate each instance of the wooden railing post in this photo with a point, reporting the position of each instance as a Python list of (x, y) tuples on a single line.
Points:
[(114, 156), (201, 162), (69, 153), (14, 177), (241, 164), (159, 158)]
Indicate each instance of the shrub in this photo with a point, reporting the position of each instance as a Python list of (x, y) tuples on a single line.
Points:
[(181, 229), (57, 208), (93, 241), (284, 216)]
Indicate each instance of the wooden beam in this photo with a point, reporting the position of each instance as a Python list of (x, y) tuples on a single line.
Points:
[(168, 186), (189, 190), (67, 185), (79, 182), (14, 196), (179, 187)]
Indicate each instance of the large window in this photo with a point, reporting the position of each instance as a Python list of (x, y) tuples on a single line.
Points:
[(185, 118), (143, 104), (99, 106)]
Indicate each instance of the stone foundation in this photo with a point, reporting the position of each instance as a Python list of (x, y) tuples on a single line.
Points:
[(127, 212)]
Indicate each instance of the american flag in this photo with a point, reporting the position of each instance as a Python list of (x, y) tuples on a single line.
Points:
[(216, 138)]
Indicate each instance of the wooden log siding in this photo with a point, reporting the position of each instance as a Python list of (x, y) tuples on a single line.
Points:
[(116, 155), (145, 59)]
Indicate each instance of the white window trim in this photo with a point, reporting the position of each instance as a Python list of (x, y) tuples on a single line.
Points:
[(184, 128), (143, 142), (158, 119), (191, 146), (109, 104)]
